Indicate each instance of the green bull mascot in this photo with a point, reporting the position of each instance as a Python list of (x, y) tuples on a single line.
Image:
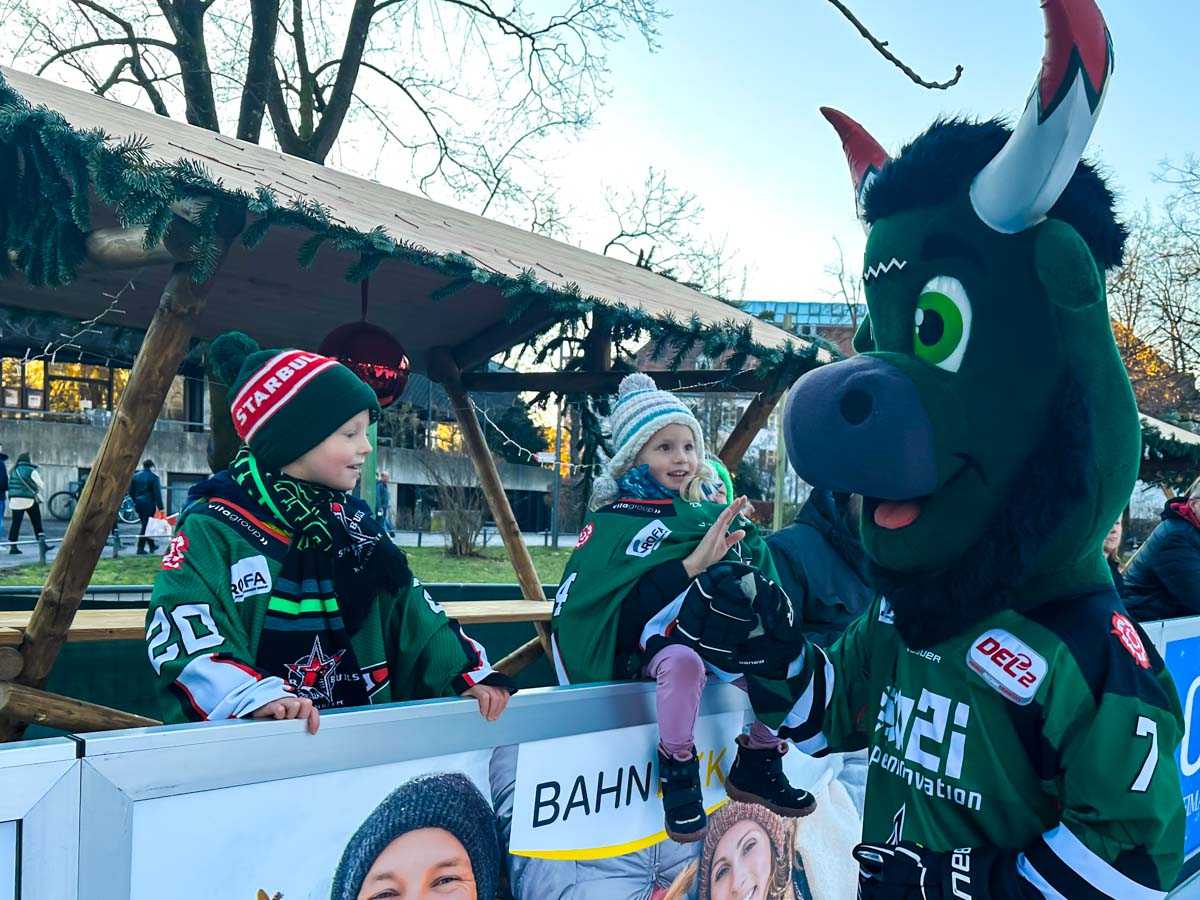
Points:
[(1021, 729)]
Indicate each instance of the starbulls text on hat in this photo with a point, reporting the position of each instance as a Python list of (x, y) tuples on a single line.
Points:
[(272, 386)]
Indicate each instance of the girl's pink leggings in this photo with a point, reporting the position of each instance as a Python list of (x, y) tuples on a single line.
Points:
[(679, 673)]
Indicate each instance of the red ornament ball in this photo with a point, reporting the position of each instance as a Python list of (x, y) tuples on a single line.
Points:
[(373, 355)]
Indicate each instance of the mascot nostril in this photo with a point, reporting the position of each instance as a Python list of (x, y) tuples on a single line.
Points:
[(1021, 732), (856, 406)]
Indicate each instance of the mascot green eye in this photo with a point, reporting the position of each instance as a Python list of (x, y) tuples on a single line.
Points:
[(942, 324)]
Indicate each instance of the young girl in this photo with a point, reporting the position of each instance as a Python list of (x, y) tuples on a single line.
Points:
[(279, 596), (650, 592)]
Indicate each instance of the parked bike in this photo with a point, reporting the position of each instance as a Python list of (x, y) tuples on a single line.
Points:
[(62, 505)]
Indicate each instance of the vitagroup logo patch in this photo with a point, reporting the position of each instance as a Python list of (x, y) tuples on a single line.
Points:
[(1008, 664), (647, 540)]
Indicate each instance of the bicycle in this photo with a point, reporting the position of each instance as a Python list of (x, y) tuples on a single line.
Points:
[(62, 505)]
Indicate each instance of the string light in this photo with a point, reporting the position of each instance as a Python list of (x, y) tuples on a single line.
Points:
[(578, 467)]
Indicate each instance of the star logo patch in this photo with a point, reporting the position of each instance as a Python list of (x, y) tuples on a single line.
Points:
[(314, 676)]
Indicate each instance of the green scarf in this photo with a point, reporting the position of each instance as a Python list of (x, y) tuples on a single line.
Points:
[(619, 543), (337, 564)]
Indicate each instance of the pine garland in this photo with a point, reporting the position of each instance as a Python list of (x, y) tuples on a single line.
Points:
[(1167, 461), (50, 168)]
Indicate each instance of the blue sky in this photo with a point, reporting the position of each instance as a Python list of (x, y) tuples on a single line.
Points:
[(728, 108)]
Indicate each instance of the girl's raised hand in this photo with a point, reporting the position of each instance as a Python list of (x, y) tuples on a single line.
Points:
[(717, 541)]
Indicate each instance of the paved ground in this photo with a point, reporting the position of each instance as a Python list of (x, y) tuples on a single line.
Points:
[(55, 530)]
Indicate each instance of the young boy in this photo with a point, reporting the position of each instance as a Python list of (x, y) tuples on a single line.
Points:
[(279, 596)]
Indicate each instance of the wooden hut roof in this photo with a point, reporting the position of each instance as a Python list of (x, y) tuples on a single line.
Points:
[(443, 275)]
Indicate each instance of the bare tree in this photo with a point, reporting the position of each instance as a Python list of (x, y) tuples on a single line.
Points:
[(459, 498), (849, 285), (1154, 303), (463, 88), (656, 225)]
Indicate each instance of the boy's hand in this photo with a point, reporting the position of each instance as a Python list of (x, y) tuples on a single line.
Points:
[(717, 541), (492, 700), (290, 708)]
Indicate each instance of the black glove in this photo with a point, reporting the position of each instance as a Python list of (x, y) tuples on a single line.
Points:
[(775, 610), (717, 613), (778, 640), (907, 871)]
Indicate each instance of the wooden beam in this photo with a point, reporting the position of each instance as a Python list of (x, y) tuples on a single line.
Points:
[(598, 349), (125, 248), (748, 426), (521, 658), (33, 707), (483, 346), (721, 381), (11, 663), (443, 368), (157, 362)]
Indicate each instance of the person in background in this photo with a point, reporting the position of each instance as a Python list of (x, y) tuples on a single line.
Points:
[(1162, 581), (821, 564), (383, 503), (3, 479), (25, 487), (145, 490), (1112, 554)]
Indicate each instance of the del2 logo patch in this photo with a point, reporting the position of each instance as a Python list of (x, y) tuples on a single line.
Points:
[(1008, 664)]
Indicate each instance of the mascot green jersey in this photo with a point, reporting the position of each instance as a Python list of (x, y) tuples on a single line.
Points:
[(1021, 730)]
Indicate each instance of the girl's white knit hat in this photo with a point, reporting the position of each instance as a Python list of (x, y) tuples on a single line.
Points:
[(640, 410)]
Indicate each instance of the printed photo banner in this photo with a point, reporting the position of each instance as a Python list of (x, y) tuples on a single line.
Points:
[(285, 839), (595, 796)]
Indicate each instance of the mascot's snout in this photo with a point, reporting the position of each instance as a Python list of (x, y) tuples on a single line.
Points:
[(860, 427)]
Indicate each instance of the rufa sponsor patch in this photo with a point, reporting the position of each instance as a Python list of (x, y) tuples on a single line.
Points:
[(249, 577), (647, 540)]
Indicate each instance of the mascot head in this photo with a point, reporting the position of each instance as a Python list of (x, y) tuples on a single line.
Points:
[(987, 421)]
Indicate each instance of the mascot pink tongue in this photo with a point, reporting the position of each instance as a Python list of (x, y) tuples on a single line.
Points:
[(892, 515)]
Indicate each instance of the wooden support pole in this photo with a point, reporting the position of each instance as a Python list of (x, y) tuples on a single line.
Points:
[(157, 363), (444, 369), (598, 349), (748, 426), (11, 663), (33, 707), (521, 658)]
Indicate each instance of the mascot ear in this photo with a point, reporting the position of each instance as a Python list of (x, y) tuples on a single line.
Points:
[(864, 341), (1065, 266)]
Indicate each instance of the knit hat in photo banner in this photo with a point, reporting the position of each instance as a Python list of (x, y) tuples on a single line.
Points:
[(640, 410), (449, 801), (285, 402)]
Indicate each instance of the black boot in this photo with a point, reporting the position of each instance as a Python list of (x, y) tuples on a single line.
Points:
[(757, 777), (683, 804), (14, 550)]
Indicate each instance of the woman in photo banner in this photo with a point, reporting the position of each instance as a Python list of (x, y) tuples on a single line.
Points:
[(433, 838)]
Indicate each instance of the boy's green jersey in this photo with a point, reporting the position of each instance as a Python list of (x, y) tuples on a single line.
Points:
[(1050, 732), (215, 591)]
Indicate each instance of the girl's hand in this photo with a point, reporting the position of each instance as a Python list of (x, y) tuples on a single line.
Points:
[(717, 541), (290, 708), (492, 700)]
